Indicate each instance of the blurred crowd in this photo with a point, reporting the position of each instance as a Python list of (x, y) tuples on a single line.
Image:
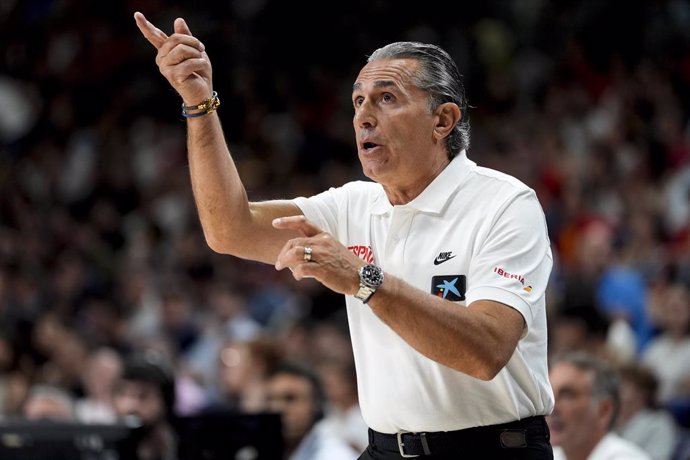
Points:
[(102, 254)]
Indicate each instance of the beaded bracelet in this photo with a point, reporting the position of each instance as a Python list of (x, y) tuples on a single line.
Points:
[(207, 106)]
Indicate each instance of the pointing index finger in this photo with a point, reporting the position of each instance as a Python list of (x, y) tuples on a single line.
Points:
[(299, 223), (153, 34)]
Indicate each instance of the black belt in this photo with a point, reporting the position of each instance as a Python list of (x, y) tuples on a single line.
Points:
[(506, 435)]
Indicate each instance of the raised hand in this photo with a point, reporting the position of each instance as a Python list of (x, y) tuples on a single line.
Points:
[(181, 59)]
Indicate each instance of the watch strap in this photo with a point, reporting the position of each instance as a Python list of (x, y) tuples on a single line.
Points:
[(365, 293)]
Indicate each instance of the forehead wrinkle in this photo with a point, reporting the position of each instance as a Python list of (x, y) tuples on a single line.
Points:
[(387, 73), (377, 84)]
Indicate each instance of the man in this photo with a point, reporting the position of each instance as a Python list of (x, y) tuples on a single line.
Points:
[(443, 264), (295, 392), (587, 403), (146, 391)]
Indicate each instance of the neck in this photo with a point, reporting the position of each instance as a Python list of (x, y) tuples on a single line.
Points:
[(581, 452), (291, 446), (157, 445), (400, 194)]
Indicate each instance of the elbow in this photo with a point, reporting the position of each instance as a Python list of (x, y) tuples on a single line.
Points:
[(487, 373), (489, 367), (216, 244)]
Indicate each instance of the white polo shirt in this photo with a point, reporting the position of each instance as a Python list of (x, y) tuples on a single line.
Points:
[(472, 234)]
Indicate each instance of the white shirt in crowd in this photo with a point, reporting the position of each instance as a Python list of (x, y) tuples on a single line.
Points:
[(611, 447)]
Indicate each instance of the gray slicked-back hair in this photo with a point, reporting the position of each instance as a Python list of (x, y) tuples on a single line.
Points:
[(605, 382), (439, 76)]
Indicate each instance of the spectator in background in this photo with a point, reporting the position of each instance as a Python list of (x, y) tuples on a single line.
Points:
[(587, 404), (146, 391), (61, 350), (13, 383), (621, 292), (296, 392), (668, 354), (14, 386), (48, 402), (243, 367), (640, 420), (343, 415), (582, 327), (100, 373), (226, 320), (179, 316)]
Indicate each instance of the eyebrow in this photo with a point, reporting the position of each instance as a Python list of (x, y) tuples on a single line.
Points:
[(377, 84)]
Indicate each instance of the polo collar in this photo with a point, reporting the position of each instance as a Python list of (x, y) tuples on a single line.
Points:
[(435, 196)]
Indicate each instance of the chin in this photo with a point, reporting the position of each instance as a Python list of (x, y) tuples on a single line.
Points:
[(375, 171), (556, 438)]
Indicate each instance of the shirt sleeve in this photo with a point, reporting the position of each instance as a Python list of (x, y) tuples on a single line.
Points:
[(322, 209), (513, 263)]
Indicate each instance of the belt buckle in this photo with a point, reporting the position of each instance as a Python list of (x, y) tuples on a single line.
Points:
[(401, 445)]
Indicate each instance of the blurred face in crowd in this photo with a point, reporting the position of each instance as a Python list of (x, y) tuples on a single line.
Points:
[(141, 399), (293, 397), (578, 420), (47, 407), (676, 310), (397, 138), (101, 373), (237, 367), (632, 401)]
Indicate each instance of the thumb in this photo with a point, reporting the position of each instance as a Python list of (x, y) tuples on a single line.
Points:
[(181, 27)]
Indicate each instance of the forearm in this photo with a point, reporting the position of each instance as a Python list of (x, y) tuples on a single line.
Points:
[(220, 196), (472, 340)]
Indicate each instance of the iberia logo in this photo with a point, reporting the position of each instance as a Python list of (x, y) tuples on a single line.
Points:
[(501, 272), (363, 252)]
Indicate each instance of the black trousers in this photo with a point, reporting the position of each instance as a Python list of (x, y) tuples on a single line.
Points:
[(527, 439)]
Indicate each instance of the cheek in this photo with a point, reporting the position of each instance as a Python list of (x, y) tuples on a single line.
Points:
[(151, 408), (580, 417), (570, 410), (407, 139), (302, 417), (121, 403)]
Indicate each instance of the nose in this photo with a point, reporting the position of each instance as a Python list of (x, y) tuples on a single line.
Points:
[(128, 404), (364, 116)]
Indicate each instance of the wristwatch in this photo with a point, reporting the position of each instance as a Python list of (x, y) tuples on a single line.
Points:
[(370, 278)]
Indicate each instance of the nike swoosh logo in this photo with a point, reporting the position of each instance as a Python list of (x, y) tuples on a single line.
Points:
[(440, 259)]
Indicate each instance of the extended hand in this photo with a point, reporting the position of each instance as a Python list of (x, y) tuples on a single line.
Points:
[(332, 264), (181, 59)]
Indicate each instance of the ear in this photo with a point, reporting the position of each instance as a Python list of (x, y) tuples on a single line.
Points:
[(605, 413), (447, 116)]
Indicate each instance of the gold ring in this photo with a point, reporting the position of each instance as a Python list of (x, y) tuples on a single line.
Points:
[(307, 254)]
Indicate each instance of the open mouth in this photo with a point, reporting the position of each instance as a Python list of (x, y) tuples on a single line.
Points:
[(369, 145)]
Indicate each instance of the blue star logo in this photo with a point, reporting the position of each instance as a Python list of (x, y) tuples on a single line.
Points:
[(449, 286)]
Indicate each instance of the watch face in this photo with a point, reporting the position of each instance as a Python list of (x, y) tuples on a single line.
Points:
[(372, 275)]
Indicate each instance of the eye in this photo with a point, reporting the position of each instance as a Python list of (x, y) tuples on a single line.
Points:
[(387, 97), (568, 394), (357, 101)]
